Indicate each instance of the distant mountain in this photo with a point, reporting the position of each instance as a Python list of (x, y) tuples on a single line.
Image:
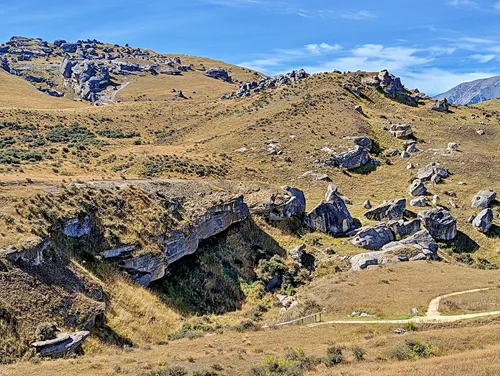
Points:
[(473, 92)]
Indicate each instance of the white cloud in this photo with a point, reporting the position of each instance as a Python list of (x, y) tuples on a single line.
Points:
[(483, 58), (359, 15), (318, 49), (497, 5), (463, 3)]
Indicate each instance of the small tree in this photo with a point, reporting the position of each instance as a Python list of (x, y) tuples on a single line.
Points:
[(45, 331)]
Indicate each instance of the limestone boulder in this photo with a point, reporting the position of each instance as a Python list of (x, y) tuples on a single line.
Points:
[(440, 223)]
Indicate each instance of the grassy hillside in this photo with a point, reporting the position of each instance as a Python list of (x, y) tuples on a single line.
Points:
[(58, 155)]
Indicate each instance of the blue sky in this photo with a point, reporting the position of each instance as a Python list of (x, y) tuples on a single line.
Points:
[(431, 44)]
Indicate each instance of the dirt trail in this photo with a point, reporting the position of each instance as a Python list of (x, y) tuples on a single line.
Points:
[(432, 315)]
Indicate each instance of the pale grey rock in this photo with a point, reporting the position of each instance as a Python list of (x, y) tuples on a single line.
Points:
[(483, 221), (77, 227), (330, 216), (452, 146), (401, 130), (393, 209), (417, 188), (440, 223), (373, 238), (441, 105), (483, 199), (351, 159), (117, 252), (219, 74), (367, 204), (420, 202), (64, 346), (403, 229), (297, 252)]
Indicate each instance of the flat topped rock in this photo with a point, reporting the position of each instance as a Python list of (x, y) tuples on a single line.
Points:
[(483, 199), (61, 337)]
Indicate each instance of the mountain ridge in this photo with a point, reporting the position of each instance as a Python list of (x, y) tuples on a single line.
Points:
[(473, 92)]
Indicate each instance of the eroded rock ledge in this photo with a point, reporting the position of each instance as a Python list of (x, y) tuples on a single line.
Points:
[(217, 219)]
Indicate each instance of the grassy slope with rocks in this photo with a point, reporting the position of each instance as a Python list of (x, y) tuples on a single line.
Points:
[(51, 146)]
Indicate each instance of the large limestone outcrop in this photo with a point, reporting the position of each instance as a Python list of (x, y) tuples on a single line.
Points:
[(439, 222), (177, 244), (330, 215)]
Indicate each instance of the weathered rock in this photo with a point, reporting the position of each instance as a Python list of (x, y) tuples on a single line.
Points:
[(297, 252), (63, 346), (441, 105), (364, 142), (412, 147), (331, 216), (150, 267), (420, 202), (69, 47), (393, 209), (452, 146), (483, 199), (426, 173), (420, 246), (351, 159), (292, 204), (401, 130), (273, 284), (373, 238), (417, 188), (483, 221), (359, 109), (439, 222), (219, 74), (367, 204), (59, 42), (404, 229), (77, 227)]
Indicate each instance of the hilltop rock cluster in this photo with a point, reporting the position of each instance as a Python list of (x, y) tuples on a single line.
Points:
[(86, 65), (248, 88), (391, 86)]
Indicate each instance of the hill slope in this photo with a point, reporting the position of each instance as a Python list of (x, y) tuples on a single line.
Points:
[(473, 92)]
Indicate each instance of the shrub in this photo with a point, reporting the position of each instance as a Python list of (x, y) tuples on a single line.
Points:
[(45, 331), (414, 349), (333, 356), (171, 371), (358, 352), (74, 133)]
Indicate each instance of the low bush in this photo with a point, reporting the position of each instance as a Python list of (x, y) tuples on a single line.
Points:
[(414, 349)]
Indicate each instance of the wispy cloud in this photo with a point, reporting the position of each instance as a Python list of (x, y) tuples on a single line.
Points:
[(359, 15), (483, 58), (497, 5)]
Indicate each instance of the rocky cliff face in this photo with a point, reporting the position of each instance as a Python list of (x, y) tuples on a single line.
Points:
[(473, 92), (178, 244)]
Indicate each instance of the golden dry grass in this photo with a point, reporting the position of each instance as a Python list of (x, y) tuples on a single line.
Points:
[(482, 301)]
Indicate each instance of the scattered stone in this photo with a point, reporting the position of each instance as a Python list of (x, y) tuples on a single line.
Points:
[(367, 204), (359, 109), (426, 173), (483, 199), (436, 200), (452, 146), (391, 153), (360, 314), (331, 215), (392, 210), (401, 130), (481, 132), (417, 188), (410, 167), (440, 223), (283, 206), (405, 154), (373, 238), (483, 221), (399, 331), (412, 148), (420, 202)]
